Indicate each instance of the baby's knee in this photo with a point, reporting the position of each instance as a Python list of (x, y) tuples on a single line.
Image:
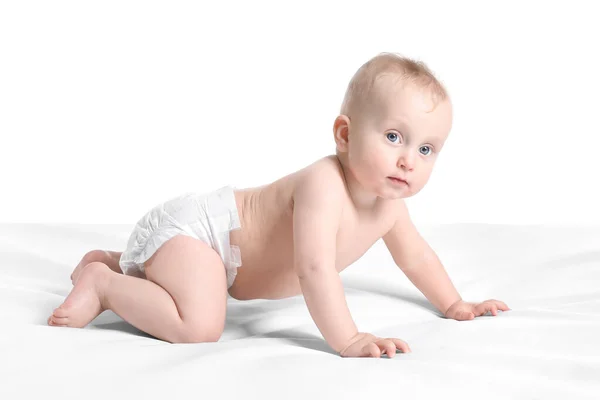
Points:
[(95, 255), (193, 333)]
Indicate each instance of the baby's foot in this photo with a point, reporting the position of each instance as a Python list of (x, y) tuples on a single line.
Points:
[(86, 300)]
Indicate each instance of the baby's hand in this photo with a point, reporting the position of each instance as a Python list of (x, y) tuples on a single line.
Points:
[(462, 311), (367, 345)]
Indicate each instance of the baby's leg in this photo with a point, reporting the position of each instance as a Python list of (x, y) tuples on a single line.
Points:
[(183, 300), (113, 260), (110, 258)]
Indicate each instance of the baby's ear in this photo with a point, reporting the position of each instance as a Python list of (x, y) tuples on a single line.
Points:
[(340, 132)]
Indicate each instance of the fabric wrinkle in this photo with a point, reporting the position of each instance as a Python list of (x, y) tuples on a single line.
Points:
[(205, 216)]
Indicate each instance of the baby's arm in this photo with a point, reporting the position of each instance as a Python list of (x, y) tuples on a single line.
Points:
[(422, 266), (413, 255), (316, 218)]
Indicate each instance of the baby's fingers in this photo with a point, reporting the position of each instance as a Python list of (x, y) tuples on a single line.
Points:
[(388, 347), (401, 345), (372, 350), (484, 307), (493, 308), (465, 316), (500, 304)]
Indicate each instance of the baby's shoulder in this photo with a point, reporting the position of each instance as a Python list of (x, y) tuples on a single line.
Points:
[(324, 177)]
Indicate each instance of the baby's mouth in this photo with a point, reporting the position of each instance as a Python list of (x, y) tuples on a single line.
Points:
[(397, 180)]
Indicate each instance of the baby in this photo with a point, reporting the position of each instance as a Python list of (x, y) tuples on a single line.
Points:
[(293, 236)]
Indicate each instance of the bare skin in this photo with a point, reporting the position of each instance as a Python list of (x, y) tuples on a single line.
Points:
[(367, 201), (286, 255), (266, 242)]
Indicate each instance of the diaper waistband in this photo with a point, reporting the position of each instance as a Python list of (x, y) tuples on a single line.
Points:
[(222, 217)]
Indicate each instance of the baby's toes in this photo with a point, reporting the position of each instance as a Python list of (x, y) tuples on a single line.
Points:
[(60, 312), (54, 321)]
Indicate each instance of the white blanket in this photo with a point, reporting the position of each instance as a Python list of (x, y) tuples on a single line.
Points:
[(546, 347)]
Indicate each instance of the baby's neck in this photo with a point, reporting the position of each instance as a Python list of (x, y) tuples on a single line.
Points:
[(362, 199)]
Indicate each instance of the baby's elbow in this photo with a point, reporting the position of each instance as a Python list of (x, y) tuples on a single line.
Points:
[(306, 271)]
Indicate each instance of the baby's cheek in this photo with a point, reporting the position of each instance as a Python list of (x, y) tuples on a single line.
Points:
[(364, 159), (427, 174), (376, 164)]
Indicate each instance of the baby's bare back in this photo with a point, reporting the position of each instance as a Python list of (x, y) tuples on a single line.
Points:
[(266, 237)]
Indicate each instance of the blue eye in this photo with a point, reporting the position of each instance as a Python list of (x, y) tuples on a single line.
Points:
[(393, 134)]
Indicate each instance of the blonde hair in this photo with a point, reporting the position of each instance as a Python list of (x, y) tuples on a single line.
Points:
[(360, 90)]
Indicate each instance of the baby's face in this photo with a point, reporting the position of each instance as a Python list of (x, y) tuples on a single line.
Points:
[(399, 137)]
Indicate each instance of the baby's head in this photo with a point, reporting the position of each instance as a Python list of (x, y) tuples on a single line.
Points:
[(394, 121)]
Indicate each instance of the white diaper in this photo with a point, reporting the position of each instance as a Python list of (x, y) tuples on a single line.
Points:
[(205, 216)]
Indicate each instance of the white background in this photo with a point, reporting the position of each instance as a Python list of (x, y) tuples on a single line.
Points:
[(108, 108)]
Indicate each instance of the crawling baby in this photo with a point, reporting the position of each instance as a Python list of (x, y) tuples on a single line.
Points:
[(292, 236)]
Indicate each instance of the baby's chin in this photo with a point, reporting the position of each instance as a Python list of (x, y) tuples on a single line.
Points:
[(391, 193), (396, 196)]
